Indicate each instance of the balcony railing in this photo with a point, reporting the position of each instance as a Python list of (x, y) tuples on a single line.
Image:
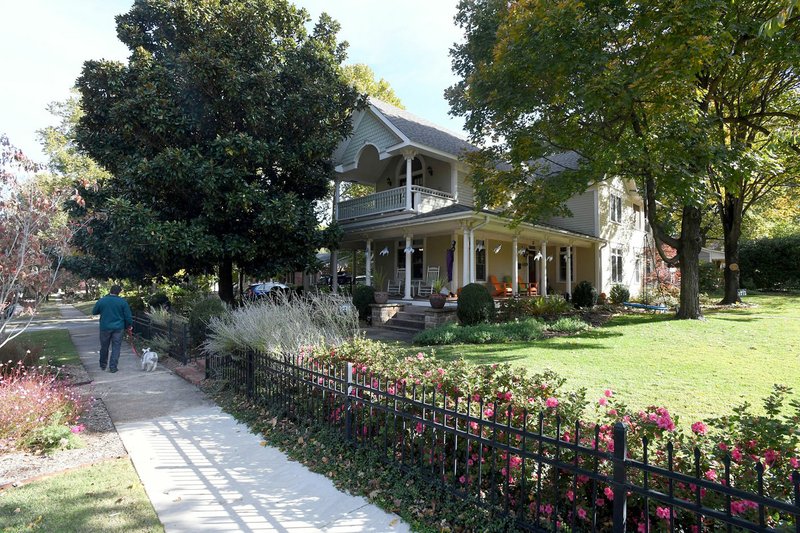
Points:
[(393, 200)]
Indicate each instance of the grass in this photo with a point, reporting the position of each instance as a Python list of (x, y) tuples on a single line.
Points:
[(85, 307), (56, 343), (697, 369), (104, 497)]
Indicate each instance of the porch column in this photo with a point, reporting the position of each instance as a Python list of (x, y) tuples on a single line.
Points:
[(569, 271), (336, 192), (409, 155), (514, 270), (543, 285), (472, 256), (335, 271), (466, 251), (407, 295), (454, 284), (368, 264)]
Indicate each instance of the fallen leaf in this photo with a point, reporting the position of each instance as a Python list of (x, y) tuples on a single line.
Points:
[(394, 522), (262, 443), (374, 493), (274, 422), (119, 500), (300, 440), (325, 460), (17, 510)]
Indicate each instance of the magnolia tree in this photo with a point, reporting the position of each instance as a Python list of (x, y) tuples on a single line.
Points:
[(33, 236)]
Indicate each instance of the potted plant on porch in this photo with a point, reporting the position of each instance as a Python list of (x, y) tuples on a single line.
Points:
[(379, 282), (439, 293)]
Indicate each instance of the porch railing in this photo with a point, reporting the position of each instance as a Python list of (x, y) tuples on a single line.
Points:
[(423, 201)]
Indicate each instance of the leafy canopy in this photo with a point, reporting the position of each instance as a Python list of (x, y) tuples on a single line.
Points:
[(217, 134)]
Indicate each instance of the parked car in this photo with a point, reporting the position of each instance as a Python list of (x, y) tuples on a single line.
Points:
[(262, 290), (343, 279)]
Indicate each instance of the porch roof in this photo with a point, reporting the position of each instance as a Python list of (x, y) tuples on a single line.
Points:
[(456, 213)]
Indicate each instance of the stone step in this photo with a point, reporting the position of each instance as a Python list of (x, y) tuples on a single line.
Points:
[(415, 317), (403, 329), (405, 324)]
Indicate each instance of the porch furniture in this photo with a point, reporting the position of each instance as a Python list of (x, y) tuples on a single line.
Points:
[(531, 289), (395, 286), (426, 287), (495, 287)]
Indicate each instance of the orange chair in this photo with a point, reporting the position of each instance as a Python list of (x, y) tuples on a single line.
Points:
[(496, 288)]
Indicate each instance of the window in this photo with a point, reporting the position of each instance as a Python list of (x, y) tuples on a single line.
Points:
[(417, 257), (616, 208), (637, 216), (417, 173), (562, 264), (616, 265), (637, 276), (480, 261)]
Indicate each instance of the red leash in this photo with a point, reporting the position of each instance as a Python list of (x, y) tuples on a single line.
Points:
[(130, 341)]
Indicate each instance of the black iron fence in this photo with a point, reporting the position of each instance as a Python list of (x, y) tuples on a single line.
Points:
[(170, 336), (544, 475)]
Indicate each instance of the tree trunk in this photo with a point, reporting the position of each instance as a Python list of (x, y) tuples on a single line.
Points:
[(690, 244), (226, 280), (731, 215)]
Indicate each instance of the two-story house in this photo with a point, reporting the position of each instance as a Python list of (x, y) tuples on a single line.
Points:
[(422, 215)]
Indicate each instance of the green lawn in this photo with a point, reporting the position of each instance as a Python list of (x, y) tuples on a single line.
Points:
[(56, 343), (85, 307), (696, 369), (105, 497)]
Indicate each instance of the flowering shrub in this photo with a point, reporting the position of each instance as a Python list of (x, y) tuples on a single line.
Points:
[(495, 408), (37, 409)]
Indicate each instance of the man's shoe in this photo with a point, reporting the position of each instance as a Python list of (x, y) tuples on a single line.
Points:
[(102, 367), (113, 370)]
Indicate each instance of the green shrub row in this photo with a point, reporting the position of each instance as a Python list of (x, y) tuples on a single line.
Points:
[(514, 331), (771, 263), (538, 306)]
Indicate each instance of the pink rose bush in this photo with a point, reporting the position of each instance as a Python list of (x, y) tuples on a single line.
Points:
[(502, 416)]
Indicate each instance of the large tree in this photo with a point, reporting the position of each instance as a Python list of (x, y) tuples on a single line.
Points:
[(217, 134), (627, 85)]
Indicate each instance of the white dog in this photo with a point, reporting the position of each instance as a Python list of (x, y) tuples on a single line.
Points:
[(149, 360)]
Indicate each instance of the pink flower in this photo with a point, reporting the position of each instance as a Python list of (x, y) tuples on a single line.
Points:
[(612, 412), (770, 456), (420, 356), (699, 428), (663, 513), (602, 401), (551, 402), (711, 475), (570, 495), (722, 446), (488, 412), (418, 428), (462, 480), (77, 429), (581, 513), (390, 389), (736, 454), (608, 393), (609, 492), (795, 462)]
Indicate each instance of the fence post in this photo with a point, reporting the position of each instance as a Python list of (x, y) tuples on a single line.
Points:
[(620, 478), (251, 373), (348, 412)]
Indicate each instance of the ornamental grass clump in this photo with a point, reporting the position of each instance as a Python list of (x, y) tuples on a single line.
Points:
[(38, 410), (284, 325)]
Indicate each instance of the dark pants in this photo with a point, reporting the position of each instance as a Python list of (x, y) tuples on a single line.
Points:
[(113, 337)]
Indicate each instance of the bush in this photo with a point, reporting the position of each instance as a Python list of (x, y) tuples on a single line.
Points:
[(475, 305), (584, 295), (711, 277), (538, 306), (771, 263), (517, 331), (620, 293), (158, 300), (283, 325), (22, 351), (568, 324), (363, 295), (201, 315), (136, 303), (37, 408)]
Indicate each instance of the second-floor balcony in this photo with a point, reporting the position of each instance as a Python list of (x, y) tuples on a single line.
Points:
[(394, 200)]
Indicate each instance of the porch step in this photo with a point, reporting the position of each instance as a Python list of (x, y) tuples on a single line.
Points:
[(411, 325), (410, 319)]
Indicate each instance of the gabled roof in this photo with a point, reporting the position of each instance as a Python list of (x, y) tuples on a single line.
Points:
[(421, 131)]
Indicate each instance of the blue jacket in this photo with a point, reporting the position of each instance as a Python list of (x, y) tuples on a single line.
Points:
[(114, 311)]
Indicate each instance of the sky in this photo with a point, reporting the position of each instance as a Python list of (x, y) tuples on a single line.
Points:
[(45, 43)]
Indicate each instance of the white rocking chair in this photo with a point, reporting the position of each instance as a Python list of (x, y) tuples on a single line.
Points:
[(426, 289), (395, 287)]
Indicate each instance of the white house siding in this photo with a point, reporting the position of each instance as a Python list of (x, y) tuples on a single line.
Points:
[(370, 130), (582, 219), (465, 194), (623, 235)]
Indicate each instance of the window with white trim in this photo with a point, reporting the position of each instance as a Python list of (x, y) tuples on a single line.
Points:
[(637, 217), (616, 208), (616, 265), (562, 264), (480, 261)]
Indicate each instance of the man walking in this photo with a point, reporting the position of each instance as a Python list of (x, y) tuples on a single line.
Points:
[(115, 315)]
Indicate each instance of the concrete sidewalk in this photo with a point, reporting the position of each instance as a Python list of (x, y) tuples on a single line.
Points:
[(204, 471)]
